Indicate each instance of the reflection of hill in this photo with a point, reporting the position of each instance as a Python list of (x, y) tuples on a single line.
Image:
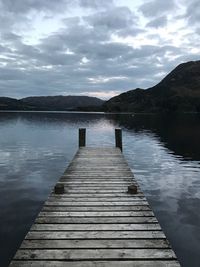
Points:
[(50, 117), (179, 133)]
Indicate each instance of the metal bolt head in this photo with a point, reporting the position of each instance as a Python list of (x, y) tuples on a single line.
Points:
[(59, 188), (132, 189)]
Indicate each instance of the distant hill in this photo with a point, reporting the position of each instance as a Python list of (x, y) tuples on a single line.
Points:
[(62, 103), (9, 103), (178, 91)]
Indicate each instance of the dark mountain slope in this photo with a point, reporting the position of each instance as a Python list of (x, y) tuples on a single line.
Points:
[(178, 91), (10, 103)]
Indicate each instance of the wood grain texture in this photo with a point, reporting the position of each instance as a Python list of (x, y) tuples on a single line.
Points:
[(96, 222), (99, 243), (95, 227), (96, 263), (91, 254), (95, 235)]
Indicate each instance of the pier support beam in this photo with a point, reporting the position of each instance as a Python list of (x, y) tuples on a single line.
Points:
[(118, 138), (82, 135)]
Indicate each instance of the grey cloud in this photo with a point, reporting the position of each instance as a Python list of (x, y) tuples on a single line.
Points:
[(96, 4), (131, 31), (6, 21), (11, 74), (107, 59), (193, 12), (158, 22), (157, 7), (52, 6), (10, 36), (56, 65), (114, 19), (198, 30), (4, 49), (104, 51), (18, 6), (118, 20), (80, 34), (85, 42)]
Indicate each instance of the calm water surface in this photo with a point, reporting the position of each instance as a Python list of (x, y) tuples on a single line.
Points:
[(164, 153)]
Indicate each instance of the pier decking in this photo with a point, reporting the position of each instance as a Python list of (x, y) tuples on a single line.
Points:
[(95, 221)]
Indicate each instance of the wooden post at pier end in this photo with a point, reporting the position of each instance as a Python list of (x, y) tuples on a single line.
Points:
[(118, 138), (82, 135)]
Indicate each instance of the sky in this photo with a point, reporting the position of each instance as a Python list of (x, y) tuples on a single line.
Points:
[(93, 47)]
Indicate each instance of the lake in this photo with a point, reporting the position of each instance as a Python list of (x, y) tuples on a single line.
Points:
[(162, 151)]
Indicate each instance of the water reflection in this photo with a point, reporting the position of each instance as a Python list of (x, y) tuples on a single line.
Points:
[(179, 133), (164, 153)]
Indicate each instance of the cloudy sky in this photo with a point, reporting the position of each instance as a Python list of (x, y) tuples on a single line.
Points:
[(93, 47)]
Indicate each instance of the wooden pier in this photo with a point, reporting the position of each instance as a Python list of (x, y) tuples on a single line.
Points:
[(96, 216)]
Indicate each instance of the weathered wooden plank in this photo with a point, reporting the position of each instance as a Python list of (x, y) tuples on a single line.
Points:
[(95, 234), (113, 159), (110, 159), (102, 243), (96, 203), (91, 254), (95, 227), (96, 208), (98, 163), (100, 197), (102, 151), (133, 263), (95, 220), (95, 183), (77, 180), (119, 263), (97, 167), (86, 198), (107, 175), (81, 187), (123, 172), (96, 191), (98, 214), (94, 263), (102, 156), (97, 178), (101, 176)]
